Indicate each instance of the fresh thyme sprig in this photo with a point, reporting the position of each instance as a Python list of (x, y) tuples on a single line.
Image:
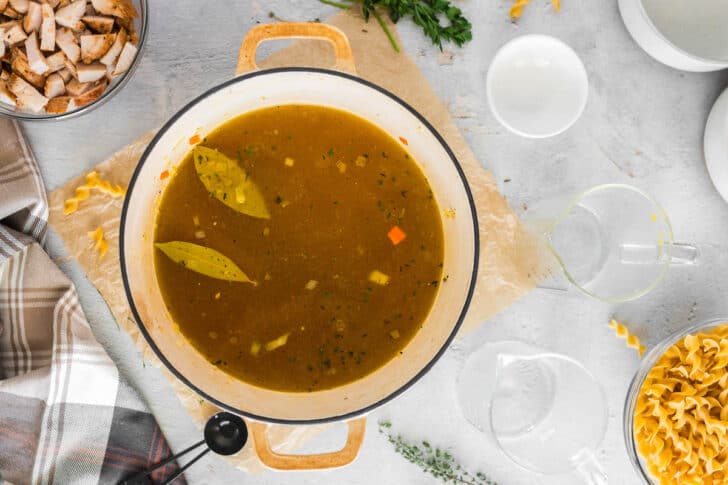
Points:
[(434, 461), (428, 14)]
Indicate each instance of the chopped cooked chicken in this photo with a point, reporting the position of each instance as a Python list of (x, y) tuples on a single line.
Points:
[(125, 59), (47, 29), (71, 68), (69, 50), (118, 8), (5, 95), (60, 105), (95, 46), (91, 95), (19, 64), (89, 73), (110, 57), (33, 18), (99, 24), (65, 75), (67, 43), (75, 88), (14, 33), (20, 6), (26, 95), (70, 15), (12, 13), (54, 86), (128, 25), (36, 59), (56, 62)]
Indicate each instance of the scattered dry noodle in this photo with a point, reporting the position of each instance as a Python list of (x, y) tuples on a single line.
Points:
[(101, 244), (93, 181), (632, 340), (518, 6)]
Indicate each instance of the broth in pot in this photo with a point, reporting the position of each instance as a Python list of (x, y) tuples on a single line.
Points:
[(299, 247)]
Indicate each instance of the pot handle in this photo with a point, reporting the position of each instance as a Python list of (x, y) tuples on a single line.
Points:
[(295, 30), (335, 459)]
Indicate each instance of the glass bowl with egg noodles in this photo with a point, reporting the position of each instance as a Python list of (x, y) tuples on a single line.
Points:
[(677, 407)]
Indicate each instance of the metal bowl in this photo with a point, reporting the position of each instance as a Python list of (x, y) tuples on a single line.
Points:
[(140, 24)]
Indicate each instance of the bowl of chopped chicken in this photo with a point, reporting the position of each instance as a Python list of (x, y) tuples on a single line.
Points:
[(61, 58)]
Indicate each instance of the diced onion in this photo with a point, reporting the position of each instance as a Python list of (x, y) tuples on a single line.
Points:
[(378, 277), (279, 342)]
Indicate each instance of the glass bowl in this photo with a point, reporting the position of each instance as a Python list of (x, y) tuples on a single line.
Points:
[(140, 24), (634, 388)]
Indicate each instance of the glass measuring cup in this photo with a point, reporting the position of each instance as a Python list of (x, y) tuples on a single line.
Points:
[(613, 242), (545, 411)]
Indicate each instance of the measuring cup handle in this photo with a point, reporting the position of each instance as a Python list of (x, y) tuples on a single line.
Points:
[(684, 254), (589, 468), (680, 254)]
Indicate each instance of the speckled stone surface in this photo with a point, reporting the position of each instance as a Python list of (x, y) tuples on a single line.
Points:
[(643, 125)]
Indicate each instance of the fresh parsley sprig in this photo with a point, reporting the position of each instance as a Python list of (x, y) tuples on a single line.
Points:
[(439, 19), (438, 463)]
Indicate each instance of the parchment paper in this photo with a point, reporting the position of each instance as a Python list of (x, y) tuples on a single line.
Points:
[(509, 260)]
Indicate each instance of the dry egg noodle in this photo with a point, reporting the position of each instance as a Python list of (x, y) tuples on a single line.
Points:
[(681, 417), (347, 266)]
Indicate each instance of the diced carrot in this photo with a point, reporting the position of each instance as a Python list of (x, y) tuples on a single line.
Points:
[(195, 140), (403, 140), (164, 175), (396, 235)]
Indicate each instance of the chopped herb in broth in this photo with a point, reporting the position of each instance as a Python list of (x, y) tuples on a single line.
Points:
[(346, 263)]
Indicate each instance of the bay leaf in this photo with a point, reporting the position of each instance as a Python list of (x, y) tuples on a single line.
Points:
[(203, 260), (225, 180)]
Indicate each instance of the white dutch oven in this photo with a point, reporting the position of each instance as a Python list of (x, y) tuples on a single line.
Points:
[(260, 89), (657, 44)]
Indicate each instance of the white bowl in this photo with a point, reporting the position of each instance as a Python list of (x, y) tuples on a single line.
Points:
[(716, 145), (686, 35), (537, 86)]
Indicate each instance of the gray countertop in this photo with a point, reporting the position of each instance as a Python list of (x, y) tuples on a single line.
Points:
[(643, 125)]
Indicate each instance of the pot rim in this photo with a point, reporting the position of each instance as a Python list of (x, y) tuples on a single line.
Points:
[(201, 98)]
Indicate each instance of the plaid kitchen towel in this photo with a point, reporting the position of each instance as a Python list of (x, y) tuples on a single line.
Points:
[(66, 415)]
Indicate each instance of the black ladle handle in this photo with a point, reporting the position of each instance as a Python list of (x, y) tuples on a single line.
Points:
[(182, 470), (225, 434), (142, 478)]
